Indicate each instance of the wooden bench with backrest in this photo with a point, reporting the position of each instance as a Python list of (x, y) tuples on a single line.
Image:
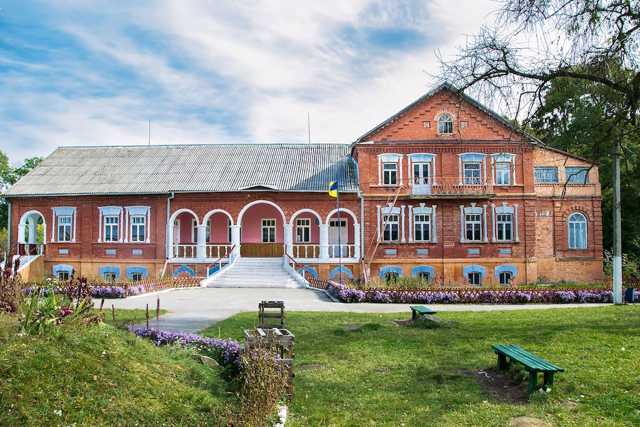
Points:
[(420, 310), (508, 353)]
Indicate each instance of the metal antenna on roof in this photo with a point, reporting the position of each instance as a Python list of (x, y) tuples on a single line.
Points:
[(149, 131), (308, 127)]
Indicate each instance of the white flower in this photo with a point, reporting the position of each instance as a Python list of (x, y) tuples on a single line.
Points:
[(58, 412)]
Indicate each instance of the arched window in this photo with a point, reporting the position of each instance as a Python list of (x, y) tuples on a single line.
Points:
[(577, 231), (445, 124)]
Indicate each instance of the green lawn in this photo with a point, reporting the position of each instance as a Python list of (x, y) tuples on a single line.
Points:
[(384, 374), (101, 375)]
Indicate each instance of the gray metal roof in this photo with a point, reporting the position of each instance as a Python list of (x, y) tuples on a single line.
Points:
[(190, 168)]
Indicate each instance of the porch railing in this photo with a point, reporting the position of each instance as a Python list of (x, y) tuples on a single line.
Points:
[(306, 251), (218, 251), (342, 251), (185, 251), (30, 249)]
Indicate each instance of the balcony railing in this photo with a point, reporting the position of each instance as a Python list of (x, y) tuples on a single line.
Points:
[(306, 251), (218, 251), (473, 186), (185, 250), (30, 249), (342, 251)]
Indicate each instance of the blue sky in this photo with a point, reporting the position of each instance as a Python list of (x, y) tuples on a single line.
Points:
[(94, 72)]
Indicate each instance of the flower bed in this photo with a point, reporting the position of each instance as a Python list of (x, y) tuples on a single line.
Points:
[(225, 351), (468, 296)]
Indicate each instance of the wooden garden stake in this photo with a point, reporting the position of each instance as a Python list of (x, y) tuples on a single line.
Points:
[(113, 312), (101, 304), (147, 316), (158, 309)]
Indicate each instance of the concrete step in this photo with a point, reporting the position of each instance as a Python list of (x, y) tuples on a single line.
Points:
[(254, 273)]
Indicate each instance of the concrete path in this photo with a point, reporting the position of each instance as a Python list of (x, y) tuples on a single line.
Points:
[(196, 308)]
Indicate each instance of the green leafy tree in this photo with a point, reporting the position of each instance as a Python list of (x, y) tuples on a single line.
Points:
[(8, 177)]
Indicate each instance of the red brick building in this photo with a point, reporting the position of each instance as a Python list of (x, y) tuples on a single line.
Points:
[(445, 189)]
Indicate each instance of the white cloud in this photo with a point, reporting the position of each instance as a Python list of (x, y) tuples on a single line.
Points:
[(266, 63)]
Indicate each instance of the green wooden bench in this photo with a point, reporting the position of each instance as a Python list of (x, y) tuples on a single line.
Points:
[(508, 353), (420, 310)]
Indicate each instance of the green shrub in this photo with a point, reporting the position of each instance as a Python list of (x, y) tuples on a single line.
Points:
[(10, 291)]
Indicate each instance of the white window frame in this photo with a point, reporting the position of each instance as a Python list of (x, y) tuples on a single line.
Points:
[(476, 223), (426, 224), (505, 274), (388, 174), (474, 274), (63, 212), (571, 227), (467, 180), (303, 230), (387, 158), (501, 227), (133, 225), (389, 222), (476, 211), (64, 232), (445, 120), (111, 226), (270, 227), (503, 170), (546, 169), (508, 160)]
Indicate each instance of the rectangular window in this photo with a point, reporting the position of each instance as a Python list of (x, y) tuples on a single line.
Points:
[(546, 175), (65, 224), (421, 172), (391, 228), (503, 173), (474, 278), (504, 226), (136, 277), (422, 228), (138, 228), (268, 231), (390, 173), (577, 175), (472, 175), (111, 228), (303, 230), (63, 276), (473, 227), (109, 277)]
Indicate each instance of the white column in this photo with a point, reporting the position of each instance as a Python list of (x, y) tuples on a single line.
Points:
[(125, 229), (21, 227), (53, 223), (288, 238), (493, 222), (356, 241), (515, 223), (33, 230), (235, 239), (170, 227), (324, 242), (201, 238), (434, 231), (484, 215), (402, 239), (461, 223), (378, 223), (99, 226), (148, 225), (410, 222), (74, 225)]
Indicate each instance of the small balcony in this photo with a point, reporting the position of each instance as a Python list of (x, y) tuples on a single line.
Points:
[(445, 188)]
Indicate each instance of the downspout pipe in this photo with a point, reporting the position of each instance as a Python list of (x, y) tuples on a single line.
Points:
[(8, 252), (171, 196)]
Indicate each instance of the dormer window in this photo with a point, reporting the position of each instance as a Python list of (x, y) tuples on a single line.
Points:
[(445, 124)]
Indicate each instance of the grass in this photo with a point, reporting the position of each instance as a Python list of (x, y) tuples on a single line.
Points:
[(124, 317), (101, 375), (363, 369)]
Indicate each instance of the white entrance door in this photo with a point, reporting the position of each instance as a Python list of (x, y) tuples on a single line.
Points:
[(176, 232), (422, 178), (338, 238)]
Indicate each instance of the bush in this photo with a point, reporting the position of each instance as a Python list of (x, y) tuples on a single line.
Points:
[(264, 384), (10, 291), (469, 296)]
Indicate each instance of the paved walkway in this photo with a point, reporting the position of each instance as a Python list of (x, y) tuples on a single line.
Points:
[(196, 308)]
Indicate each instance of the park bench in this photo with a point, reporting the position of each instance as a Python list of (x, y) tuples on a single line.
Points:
[(420, 310), (508, 353)]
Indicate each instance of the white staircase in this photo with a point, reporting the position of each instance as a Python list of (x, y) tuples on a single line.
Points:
[(253, 273)]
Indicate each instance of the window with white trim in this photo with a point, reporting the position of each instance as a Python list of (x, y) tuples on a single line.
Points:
[(137, 277), (391, 230), (424, 276), (505, 277), (111, 228), (474, 278), (577, 224), (390, 173), (472, 173), (422, 227), (65, 228), (303, 230), (503, 173), (546, 175), (473, 227), (109, 276), (63, 275), (268, 230), (445, 124), (138, 228), (504, 227)]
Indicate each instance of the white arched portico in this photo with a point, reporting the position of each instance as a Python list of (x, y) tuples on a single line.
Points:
[(214, 238), (28, 232), (176, 248), (261, 230), (305, 234), (336, 242)]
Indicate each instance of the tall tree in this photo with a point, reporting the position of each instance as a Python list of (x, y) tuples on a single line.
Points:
[(8, 177), (536, 42)]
